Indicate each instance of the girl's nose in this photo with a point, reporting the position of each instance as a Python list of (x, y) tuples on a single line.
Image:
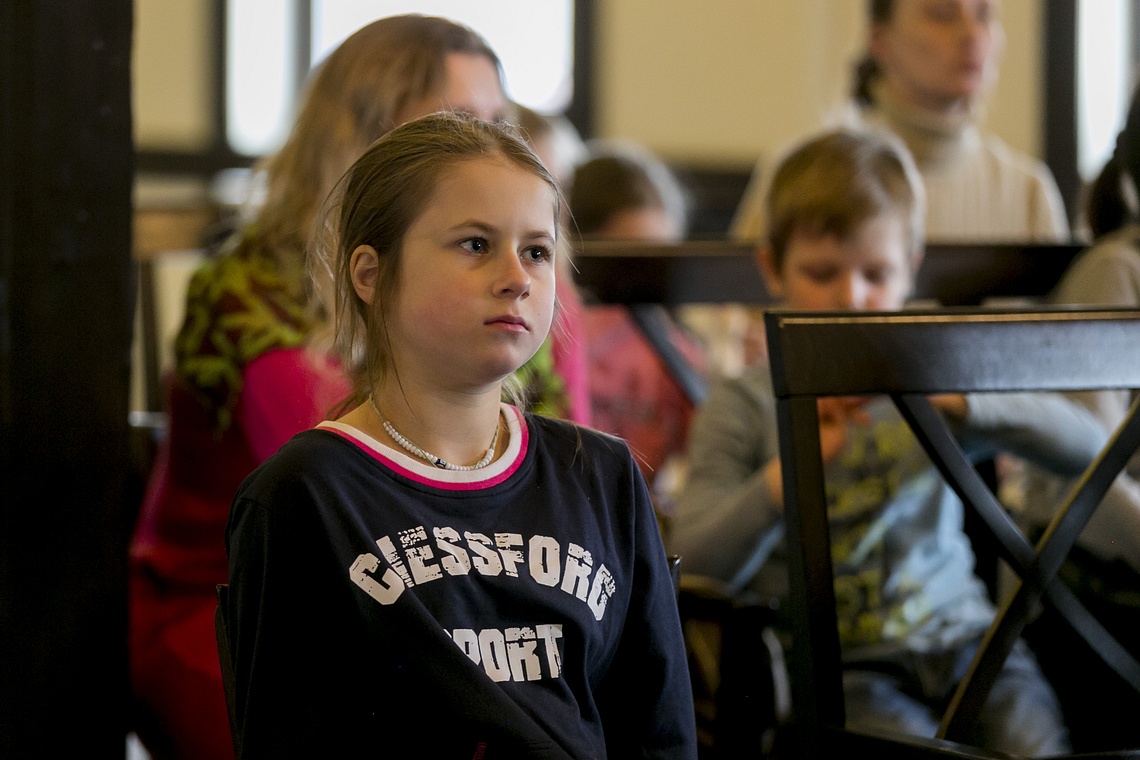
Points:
[(514, 279)]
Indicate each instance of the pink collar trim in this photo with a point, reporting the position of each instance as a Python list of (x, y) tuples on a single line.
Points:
[(451, 480)]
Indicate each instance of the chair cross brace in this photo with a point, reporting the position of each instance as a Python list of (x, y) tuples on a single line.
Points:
[(1036, 567), (910, 356)]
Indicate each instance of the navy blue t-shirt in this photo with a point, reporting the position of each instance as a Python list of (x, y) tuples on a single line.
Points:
[(379, 605)]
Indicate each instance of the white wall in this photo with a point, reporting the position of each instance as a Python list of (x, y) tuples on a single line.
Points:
[(726, 81), (170, 75), (719, 82)]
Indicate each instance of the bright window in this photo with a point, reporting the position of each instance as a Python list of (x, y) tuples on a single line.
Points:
[(261, 47), (1104, 82), (533, 38)]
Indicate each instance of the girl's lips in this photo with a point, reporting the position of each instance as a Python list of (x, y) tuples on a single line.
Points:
[(507, 322)]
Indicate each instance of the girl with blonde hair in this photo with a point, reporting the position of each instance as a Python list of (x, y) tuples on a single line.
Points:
[(437, 573)]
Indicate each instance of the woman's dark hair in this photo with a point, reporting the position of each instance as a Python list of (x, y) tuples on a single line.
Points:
[(866, 68), (1112, 199)]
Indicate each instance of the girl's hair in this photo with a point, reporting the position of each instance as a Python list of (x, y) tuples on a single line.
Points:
[(867, 68), (1113, 199), (375, 203), (832, 184), (560, 135), (621, 177), (353, 97)]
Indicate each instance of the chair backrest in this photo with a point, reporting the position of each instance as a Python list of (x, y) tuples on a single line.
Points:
[(725, 271), (642, 275), (908, 356)]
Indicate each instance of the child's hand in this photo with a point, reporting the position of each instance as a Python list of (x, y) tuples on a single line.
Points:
[(835, 415)]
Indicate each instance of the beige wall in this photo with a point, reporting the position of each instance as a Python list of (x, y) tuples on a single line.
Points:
[(170, 74), (726, 81), (720, 82)]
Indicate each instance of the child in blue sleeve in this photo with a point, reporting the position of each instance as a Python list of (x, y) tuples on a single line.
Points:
[(845, 233)]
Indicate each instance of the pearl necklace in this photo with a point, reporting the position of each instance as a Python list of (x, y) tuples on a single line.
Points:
[(442, 464)]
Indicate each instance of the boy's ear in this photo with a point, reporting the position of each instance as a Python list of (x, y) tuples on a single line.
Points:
[(766, 261), (364, 267)]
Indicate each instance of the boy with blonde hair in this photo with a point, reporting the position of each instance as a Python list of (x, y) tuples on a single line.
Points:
[(845, 234)]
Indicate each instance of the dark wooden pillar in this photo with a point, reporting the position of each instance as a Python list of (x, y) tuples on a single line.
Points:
[(66, 300), (1060, 99), (580, 112)]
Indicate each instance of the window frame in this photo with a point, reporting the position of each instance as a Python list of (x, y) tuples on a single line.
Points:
[(218, 155)]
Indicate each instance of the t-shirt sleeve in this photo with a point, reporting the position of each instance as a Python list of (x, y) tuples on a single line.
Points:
[(279, 628), (726, 519), (1048, 429), (646, 699), (1107, 275)]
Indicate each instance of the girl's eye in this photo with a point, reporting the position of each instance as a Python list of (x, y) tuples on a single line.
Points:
[(474, 245), (538, 253)]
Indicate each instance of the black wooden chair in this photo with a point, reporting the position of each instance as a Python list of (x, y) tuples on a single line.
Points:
[(736, 667), (907, 356)]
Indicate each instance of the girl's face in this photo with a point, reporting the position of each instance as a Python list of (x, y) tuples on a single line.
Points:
[(475, 294), (472, 86), (938, 54), (871, 271)]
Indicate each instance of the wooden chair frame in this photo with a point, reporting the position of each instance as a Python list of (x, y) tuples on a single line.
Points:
[(909, 355)]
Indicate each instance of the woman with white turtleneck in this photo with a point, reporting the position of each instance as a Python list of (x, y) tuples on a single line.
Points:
[(929, 63)]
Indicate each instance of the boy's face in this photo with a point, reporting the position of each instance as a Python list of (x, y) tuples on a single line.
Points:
[(873, 270)]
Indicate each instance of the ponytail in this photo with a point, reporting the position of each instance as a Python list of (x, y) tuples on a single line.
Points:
[(1106, 209), (1114, 197)]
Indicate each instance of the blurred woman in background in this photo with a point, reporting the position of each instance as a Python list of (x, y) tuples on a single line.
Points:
[(928, 68)]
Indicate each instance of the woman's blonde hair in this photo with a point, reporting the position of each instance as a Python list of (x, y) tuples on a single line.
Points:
[(832, 184), (352, 98), (376, 202)]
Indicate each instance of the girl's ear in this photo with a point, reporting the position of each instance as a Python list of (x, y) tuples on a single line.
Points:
[(365, 269), (766, 260)]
